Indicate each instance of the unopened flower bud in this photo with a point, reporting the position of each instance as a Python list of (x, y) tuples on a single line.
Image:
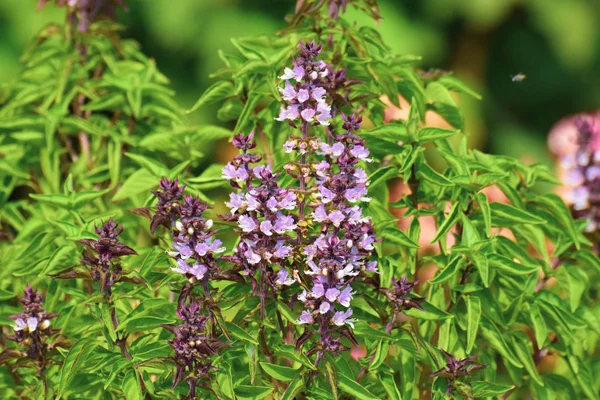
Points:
[(209, 224), (45, 324), (179, 226)]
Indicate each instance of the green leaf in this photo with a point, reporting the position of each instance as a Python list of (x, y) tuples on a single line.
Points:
[(331, 375), (577, 280), (140, 181), (247, 111), (509, 213), (451, 269), (286, 312), (584, 376), (389, 385), (447, 224), (386, 139), (214, 93), (239, 333), (353, 388), (444, 104), (432, 134), (157, 169), (382, 175), (473, 319), (559, 210), (363, 329), (486, 389), (252, 392), (131, 386), (539, 325), (458, 86), (294, 388), (71, 364), (396, 236), (428, 174), (486, 212), (278, 372), (496, 340), (59, 200), (431, 312), (524, 350), (79, 199), (108, 324), (507, 265)]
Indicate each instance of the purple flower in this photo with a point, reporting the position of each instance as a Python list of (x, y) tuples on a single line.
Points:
[(288, 202), (283, 278), (324, 308), (332, 294), (182, 250), (308, 114), (209, 246), (318, 93), (236, 201), (289, 146), (336, 217), (247, 223), (326, 194), (266, 227), (303, 96), (305, 318), (291, 112), (343, 317), (284, 223), (297, 73), (288, 93), (345, 296)]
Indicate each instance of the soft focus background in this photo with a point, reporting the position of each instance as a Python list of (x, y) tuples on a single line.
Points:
[(555, 43)]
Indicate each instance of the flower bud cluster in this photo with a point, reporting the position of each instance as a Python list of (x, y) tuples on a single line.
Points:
[(195, 249), (103, 255), (399, 295), (32, 325), (583, 173), (193, 345)]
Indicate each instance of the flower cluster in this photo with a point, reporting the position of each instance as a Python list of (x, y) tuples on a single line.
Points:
[(193, 345), (103, 255), (345, 238), (583, 174), (456, 369), (262, 211), (302, 92), (195, 249), (32, 325)]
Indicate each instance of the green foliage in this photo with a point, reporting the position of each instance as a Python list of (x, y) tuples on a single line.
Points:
[(89, 128)]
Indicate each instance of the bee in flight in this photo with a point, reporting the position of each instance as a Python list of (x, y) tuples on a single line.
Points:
[(520, 77)]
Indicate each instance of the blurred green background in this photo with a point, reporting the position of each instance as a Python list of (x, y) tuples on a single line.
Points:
[(556, 43)]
